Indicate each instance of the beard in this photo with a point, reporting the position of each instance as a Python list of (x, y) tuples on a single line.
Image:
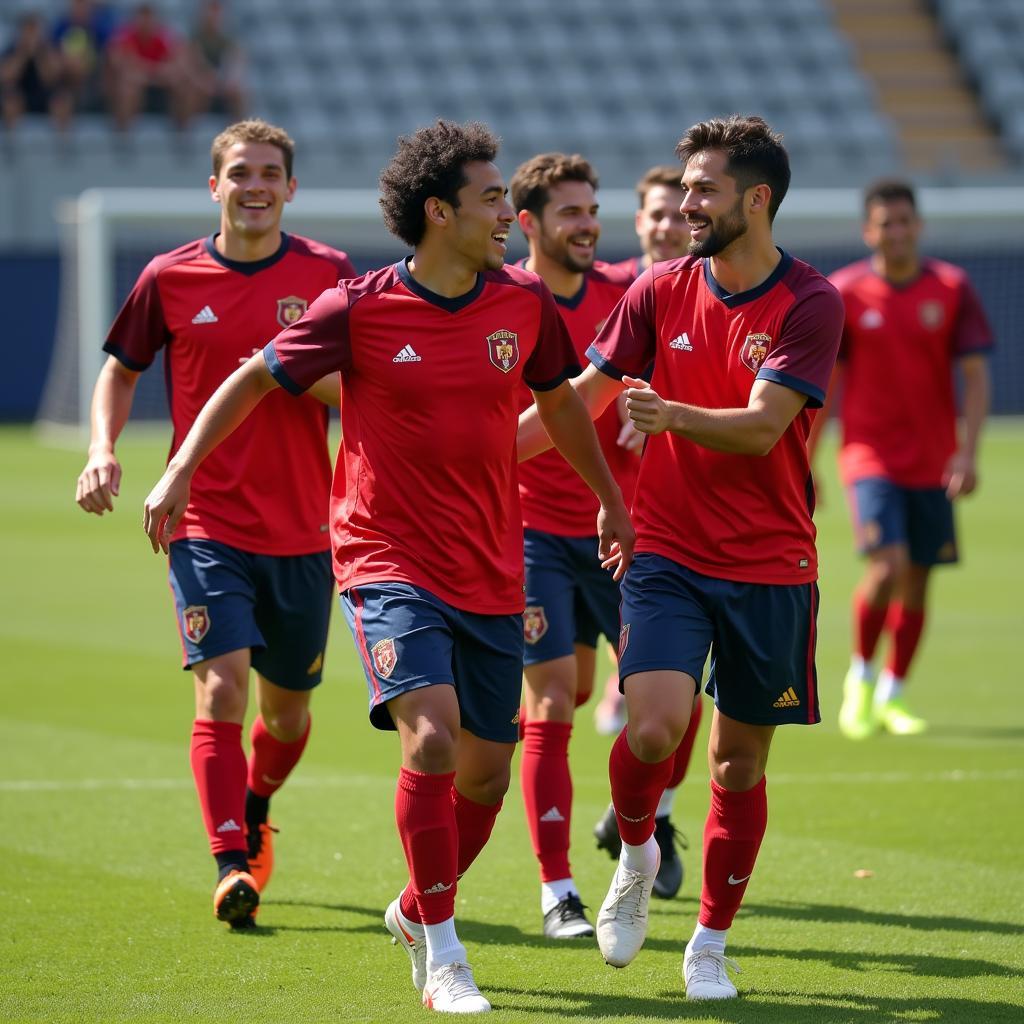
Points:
[(561, 255), (722, 233)]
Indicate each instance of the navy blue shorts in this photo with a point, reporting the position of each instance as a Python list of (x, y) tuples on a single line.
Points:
[(408, 638), (920, 518), (278, 606), (761, 638), (570, 599)]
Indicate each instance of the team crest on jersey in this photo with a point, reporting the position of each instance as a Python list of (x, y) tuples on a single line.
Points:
[(384, 657), (503, 348), (535, 623), (623, 639), (290, 309), (195, 622), (931, 314), (754, 350)]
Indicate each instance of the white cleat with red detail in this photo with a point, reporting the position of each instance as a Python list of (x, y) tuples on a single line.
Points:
[(450, 988)]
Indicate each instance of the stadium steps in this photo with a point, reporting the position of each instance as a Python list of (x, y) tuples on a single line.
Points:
[(920, 85)]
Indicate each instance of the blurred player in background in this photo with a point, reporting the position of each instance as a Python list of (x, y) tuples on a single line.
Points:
[(910, 322), (660, 224), (425, 519), (743, 338), (570, 600), (250, 563)]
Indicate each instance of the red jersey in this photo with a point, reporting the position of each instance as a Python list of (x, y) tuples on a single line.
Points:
[(898, 409), (425, 490), (554, 497), (266, 488), (735, 517), (632, 268)]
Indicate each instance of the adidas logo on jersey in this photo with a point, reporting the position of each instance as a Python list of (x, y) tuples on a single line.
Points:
[(682, 343), (789, 699), (437, 887), (552, 814), (205, 316), (407, 355), (229, 826)]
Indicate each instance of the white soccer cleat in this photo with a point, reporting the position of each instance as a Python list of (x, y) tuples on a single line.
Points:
[(704, 972), (412, 940), (622, 919), (451, 989)]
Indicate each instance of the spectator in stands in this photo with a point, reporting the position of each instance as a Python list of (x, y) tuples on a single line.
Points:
[(149, 65), (218, 64), (30, 78), (81, 37)]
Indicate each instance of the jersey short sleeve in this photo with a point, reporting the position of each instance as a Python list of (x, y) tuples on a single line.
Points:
[(553, 360), (140, 329), (972, 332), (627, 342)]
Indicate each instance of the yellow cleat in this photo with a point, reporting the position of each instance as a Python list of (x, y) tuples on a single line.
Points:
[(857, 719), (895, 717)]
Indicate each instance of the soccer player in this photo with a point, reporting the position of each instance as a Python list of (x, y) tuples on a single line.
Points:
[(661, 229), (910, 322), (743, 338), (249, 563), (425, 520), (570, 599)]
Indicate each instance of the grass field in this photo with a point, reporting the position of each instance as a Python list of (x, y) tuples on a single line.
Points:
[(105, 880)]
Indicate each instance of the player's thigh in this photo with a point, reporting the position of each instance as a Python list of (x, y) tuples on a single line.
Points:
[(598, 597), (214, 587), (222, 686), (405, 640), (293, 612), (549, 626), (932, 527), (738, 752), (666, 623), (488, 663), (878, 508), (762, 663)]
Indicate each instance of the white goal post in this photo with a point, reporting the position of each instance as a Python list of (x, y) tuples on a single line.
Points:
[(99, 220)]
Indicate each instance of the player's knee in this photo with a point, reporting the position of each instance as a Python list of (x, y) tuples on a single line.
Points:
[(737, 771), (432, 748), (221, 698), (654, 739), (287, 725), (492, 787)]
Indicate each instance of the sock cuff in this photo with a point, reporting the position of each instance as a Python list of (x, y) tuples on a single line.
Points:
[(542, 737), (745, 800), (473, 808), (421, 782), (208, 727)]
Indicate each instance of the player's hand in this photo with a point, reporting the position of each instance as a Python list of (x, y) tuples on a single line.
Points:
[(631, 439), (99, 483), (961, 477), (616, 539), (164, 508), (648, 411)]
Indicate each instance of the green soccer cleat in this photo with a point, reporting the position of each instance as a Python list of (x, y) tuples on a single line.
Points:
[(895, 717), (857, 720)]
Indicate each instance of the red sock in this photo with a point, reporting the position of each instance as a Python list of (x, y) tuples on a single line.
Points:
[(681, 758), (547, 795), (906, 627), (426, 825), (732, 836), (868, 623), (271, 761), (636, 790), (218, 767)]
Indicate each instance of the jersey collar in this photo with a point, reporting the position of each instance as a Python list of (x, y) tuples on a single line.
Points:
[(566, 302), (441, 301), (733, 299), (247, 267)]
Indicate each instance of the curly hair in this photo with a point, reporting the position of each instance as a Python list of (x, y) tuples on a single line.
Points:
[(664, 174), (530, 185), (253, 130), (430, 163), (754, 151)]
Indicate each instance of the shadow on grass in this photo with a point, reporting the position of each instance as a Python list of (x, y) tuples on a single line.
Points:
[(978, 732)]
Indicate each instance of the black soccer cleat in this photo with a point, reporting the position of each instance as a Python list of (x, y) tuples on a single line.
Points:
[(566, 920), (606, 832), (670, 874)]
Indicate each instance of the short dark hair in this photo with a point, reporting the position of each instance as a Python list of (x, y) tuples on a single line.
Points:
[(888, 190), (754, 151), (430, 162), (531, 184), (664, 174), (252, 130)]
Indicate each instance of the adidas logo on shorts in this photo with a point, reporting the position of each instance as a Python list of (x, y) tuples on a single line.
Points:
[(788, 699)]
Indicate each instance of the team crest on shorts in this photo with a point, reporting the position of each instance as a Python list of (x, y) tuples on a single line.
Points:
[(535, 623), (290, 309), (931, 314), (503, 348), (754, 350), (623, 639), (384, 657), (195, 622)]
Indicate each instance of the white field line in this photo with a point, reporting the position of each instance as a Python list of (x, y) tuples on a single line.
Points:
[(355, 781)]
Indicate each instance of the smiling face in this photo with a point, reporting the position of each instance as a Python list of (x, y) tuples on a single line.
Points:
[(660, 224), (481, 221), (252, 188), (712, 204), (568, 229), (892, 229)]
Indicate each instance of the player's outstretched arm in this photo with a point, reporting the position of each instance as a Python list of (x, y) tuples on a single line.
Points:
[(596, 389), (227, 407), (749, 431), (961, 477), (100, 481), (567, 421)]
